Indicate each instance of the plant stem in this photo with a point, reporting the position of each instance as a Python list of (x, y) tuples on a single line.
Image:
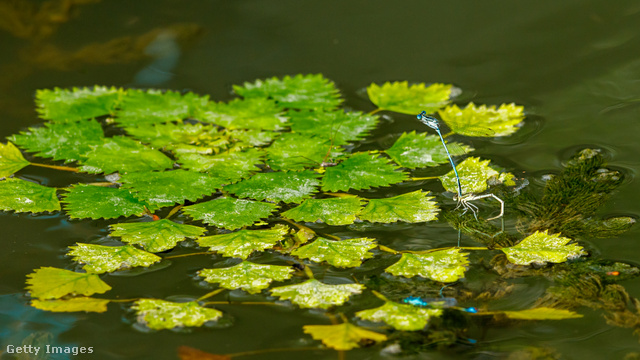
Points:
[(210, 294), (173, 211), (375, 111), (423, 178), (192, 254), (387, 249), (56, 167)]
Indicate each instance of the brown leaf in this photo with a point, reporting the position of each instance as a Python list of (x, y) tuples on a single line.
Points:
[(189, 353)]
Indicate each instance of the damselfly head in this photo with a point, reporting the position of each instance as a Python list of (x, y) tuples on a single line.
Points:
[(429, 121)]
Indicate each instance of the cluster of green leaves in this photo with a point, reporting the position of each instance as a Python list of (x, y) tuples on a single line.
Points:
[(282, 153)]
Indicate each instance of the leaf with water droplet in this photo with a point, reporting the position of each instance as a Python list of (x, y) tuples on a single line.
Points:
[(343, 336), (333, 211), (53, 283), (247, 276), (405, 99), (542, 313), (253, 137), (242, 243), (121, 154), (413, 150), (160, 314), (155, 106), (314, 294), (474, 174), (339, 126), (250, 113), (442, 265), (540, 248), (232, 166), (155, 236), (11, 160), (400, 316), (82, 303), (411, 207), (97, 202), (99, 259), (174, 133), (483, 120), (298, 92), (293, 151), (77, 103), (230, 213), (24, 196), (290, 186), (342, 253), (361, 171)]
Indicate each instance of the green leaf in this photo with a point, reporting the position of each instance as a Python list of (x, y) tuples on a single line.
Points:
[(293, 151), (11, 160), (68, 141), (247, 276), (120, 154), (24, 196), (174, 133), (413, 150), (314, 294), (232, 166), (230, 213), (154, 106), (474, 121), (400, 316), (343, 253), (52, 283), (473, 173), (242, 243), (100, 259), (542, 313), (287, 187), (540, 248), (343, 336), (86, 304), (253, 137), (443, 265), (333, 211), (160, 314), (155, 236), (251, 113), (298, 92), (77, 104), (170, 187), (97, 202), (361, 171), (405, 99), (411, 207), (340, 126)]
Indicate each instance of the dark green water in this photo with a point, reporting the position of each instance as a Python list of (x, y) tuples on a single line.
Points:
[(574, 65)]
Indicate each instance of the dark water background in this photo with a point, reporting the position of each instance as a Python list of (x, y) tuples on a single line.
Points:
[(574, 65)]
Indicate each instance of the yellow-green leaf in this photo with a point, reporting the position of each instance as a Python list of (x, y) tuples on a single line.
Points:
[(400, 316), (540, 248), (54, 283), (11, 160), (443, 265), (99, 259), (342, 253), (160, 314), (314, 294), (483, 120), (343, 336), (542, 313), (411, 207), (242, 243), (247, 276), (405, 99), (86, 304)]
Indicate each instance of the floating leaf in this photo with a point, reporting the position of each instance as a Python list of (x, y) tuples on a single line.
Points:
[(162, 135), (247, 276), (97, 202), (405, 99), (52, 283), (232, 166), (413, 150), (343, 336), (123, 155), (542, 313), (540, 248), (333, 211), (293, 151), (343, 253), (287, 187), (361, 171), (443, 265), (474, 121), (155, 236), (86, 304), (253, 137), (411, 207), (230, 213), (314, 294), (251, 113), (400, 316), (154, 106), (11, 160), (473, 173), (99, 259), (338, 126), (169, 187), (242, 243), (298, 92), (61, 141), (160, 314), (77, 104), (189, 353), (24, 196)]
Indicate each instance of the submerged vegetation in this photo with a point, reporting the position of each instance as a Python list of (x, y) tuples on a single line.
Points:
[(249, 180)]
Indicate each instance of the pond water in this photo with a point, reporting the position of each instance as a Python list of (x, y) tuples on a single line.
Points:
[(573, 65)]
